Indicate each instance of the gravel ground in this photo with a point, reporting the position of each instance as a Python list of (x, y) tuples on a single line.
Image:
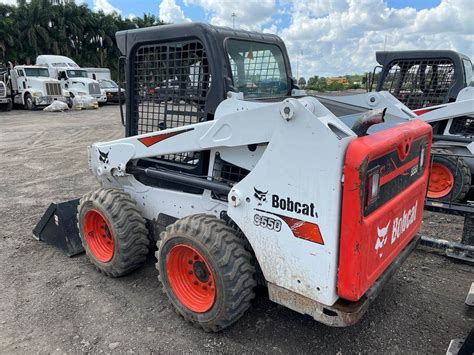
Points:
[(50, 303)]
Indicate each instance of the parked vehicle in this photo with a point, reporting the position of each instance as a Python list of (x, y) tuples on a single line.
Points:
[(6, 103), (72, 77), (98, 73), (253, 185), (437, 85), (422, 78), (32, 87), (112, 90)]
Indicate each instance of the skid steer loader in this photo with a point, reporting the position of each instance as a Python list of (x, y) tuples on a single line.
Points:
[(437, 85), (249, 180)]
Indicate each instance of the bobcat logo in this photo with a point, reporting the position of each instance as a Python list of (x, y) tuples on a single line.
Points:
[(103, 157), (382, 236), (260, 196)]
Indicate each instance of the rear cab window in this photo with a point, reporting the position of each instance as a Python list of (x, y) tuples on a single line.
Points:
[(258, 69)]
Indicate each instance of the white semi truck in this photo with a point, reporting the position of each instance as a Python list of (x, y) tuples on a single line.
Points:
[(32, 87), (72, 77), (5, 92)]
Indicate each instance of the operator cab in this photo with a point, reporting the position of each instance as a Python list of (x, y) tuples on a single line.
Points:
[(178, 75), (423, 78)]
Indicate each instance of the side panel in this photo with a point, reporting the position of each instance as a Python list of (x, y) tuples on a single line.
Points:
[(372, 235), (289, 204)]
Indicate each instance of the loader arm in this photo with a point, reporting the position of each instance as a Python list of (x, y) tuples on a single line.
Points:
[(232, 127)]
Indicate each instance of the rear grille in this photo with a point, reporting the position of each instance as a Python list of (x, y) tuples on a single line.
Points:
[(94, 89), (3, 90), (462, 126), (420, 83), (53, 89)]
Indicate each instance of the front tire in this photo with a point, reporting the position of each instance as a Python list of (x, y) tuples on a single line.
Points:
[(450, 177), (206, 272), (113, 231), (30, 103)]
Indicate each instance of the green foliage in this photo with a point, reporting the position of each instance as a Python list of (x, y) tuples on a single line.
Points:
[(301, 82), (320, 84), (37, 27)]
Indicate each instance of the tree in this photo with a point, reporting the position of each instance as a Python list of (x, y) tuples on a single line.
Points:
[(35, 27), (301, 82)]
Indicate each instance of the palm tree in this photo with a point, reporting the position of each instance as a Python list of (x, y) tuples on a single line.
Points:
[(37, 27), (33, 20), (8, 30), (146, 21)]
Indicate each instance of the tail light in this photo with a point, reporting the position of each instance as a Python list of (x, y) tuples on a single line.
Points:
[(422, 158), (372, 186)]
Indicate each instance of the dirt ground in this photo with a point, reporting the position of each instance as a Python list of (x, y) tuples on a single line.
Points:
[(50, 303)]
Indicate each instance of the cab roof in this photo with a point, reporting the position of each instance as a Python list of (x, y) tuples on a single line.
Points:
[(386, 57), (205, 32)]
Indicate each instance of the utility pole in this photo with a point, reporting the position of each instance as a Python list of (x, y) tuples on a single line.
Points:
[(298, 52), (233, 20)]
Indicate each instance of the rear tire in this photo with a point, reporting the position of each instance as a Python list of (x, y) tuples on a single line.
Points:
[(113, 231), (6, 107), (450, 177), (206, 272)]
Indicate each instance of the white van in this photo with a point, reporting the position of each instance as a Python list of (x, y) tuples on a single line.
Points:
[(98, 73)]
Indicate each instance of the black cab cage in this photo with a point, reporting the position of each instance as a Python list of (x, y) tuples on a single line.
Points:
[(178, 74), (423, 78)]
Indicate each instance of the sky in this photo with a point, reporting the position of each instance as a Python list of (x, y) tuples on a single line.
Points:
[(325, 37)]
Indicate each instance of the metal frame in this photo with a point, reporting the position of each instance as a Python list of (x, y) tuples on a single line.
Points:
[(425, 57), (463, 251), (213, 40)]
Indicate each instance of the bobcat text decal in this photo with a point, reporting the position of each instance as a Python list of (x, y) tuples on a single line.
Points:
[(399, 226), (286, 203)]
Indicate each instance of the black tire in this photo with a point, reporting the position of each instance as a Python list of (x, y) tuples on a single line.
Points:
[(102, 104), (29, 103), (6, 107), (128, 228), (229, 262), (459, 170)]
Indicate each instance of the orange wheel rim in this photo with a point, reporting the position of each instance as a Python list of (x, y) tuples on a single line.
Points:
[(190, 278), (441, 181), (98, 235)]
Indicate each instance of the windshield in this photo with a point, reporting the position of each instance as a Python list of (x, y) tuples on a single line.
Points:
[(468, 72), (77, 74), (37, 72), (258, 69), (107, 84)]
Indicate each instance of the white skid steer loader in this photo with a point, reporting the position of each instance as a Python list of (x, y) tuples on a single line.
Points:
[(248, 179)]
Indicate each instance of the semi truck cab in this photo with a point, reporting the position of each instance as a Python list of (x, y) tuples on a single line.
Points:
[(72, 77), (32, 87)]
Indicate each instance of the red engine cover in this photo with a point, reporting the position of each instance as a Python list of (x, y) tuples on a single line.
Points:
[(373, 235)]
